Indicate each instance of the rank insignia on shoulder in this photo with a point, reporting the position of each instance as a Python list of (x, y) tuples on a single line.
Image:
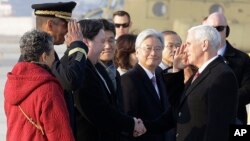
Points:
[(79, 56)]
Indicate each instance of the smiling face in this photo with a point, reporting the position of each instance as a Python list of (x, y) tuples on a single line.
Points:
[(96, 46), (149, 53), (109, 47)]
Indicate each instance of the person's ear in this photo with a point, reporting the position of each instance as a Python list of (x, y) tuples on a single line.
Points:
[(43, 58), (227, 31), (87, 42), (49, 25), (137, 52), (205, 45), (130, 24)]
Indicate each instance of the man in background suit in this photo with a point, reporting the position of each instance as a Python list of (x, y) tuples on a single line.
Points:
[(142, 97), (107, 60), (171, 41), (122, 22), (237, 60)]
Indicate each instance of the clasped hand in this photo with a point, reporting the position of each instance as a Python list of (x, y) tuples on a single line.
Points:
[(139, 128)]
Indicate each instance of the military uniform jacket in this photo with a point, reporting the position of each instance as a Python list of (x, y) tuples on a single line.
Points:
[(70, 72)]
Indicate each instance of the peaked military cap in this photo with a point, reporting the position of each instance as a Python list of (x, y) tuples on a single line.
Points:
[(61, 10)]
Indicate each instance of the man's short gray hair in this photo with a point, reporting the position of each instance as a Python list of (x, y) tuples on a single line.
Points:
[(206, 32), (148, 33)]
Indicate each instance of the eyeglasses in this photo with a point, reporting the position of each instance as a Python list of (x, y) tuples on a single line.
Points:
[(148, 49), (125, 25), (219, 28)]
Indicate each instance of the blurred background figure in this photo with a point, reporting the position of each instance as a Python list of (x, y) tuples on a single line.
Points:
[(171, 41), (125, 57), (237, 60), (34, 102), (122, 22), (107, 60)]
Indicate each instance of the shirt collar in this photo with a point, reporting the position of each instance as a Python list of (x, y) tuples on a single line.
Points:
[(221, 51), (163, 66), (206, 64), (148, 72)]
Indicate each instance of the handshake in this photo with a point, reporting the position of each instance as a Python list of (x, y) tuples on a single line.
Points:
[(139, 128)]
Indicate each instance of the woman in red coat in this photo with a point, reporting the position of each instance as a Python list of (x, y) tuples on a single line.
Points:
[(34, 103)]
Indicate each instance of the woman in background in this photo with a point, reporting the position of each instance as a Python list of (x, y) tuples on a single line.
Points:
[(125, 57)]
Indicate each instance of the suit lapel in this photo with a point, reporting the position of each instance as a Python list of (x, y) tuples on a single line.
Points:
[(202, 76), (106, 77), (143, 77), (162, 91), (229, 52), (100, 81), (197, 81), (191, 86)]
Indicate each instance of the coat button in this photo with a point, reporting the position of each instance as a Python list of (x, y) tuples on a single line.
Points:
[(179, 114)]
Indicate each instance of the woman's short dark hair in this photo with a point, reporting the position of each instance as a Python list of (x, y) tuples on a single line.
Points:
[(125, 46), (90, 27), (34, 43)]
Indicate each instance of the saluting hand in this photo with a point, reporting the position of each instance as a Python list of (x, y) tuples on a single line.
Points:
[(180, 58), (74, 33)]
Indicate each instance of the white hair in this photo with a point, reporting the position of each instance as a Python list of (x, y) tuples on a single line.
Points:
[(206, 32), (148, 33)]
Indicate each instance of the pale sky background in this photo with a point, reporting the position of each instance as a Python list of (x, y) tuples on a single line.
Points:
[(23, 7)]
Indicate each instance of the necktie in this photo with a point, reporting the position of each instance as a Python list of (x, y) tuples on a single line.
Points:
[(153, 80), (195, 76)]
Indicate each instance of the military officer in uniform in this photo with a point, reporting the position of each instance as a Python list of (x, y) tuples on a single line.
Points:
[(55, 19)]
